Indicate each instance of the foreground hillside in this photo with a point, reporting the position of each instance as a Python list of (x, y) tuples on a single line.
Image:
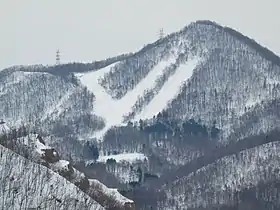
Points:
[(25, 185), (48, 161)]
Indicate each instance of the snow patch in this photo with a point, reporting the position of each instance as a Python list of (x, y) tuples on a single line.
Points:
[(124, 157)]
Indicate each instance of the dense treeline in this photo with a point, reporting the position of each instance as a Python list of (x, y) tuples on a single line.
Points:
[(169, 177), (214, 154), (158, 137), (264, 196)]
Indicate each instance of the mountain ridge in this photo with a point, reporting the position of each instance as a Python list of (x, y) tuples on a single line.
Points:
[(268, 54)]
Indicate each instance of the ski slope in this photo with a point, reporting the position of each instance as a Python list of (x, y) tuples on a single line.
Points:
[(169, 90), (113, 110)]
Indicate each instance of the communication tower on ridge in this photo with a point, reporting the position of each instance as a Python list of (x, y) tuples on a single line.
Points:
[(57, 57), (161, 33)]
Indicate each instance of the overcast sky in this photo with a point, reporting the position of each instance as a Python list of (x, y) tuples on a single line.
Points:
[(86, 30)]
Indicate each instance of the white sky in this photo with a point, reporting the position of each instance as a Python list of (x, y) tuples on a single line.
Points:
[(86, 30)]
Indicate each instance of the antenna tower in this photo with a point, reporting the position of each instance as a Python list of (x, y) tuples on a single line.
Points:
[(57, 57), (161, 33)]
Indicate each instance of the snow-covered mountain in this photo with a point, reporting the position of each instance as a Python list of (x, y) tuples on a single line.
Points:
[(204, 72), (203, 93)]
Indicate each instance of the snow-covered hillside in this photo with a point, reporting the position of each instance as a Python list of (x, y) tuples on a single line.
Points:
[(26, 185), (105, 196), (59, 101), (33, 147), (218, 182)]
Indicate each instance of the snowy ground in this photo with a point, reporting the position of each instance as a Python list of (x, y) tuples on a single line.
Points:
[(124, 157), (128, 157)]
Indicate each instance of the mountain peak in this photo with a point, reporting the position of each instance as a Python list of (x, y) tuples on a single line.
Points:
[(207, 22), (265, 52)]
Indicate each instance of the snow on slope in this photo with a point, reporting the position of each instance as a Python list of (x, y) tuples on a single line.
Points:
[(26, 185), (114, 110), (169, 91), (14, 78), (124, 157), (56, 109), (113, 193)]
